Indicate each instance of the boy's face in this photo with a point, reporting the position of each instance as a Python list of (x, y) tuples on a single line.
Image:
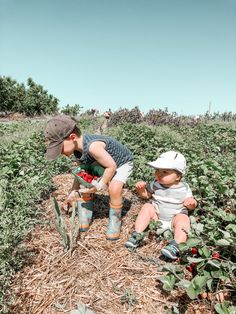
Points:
[(68, 146), (167, 177)]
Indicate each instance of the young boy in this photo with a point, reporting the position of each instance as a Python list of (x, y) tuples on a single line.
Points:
[(64, 137), (171, 200)]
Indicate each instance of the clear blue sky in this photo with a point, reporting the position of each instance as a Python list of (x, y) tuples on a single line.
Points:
[(179, 54)]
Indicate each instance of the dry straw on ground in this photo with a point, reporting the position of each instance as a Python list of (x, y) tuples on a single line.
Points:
[(101, 274)]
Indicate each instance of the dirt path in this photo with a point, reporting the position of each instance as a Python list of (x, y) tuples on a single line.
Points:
[(101, 274)]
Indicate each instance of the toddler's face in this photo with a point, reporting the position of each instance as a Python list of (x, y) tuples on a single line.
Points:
[(167, 177)]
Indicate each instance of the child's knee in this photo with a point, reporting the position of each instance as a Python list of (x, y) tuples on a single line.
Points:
[(115, 188), (182, 221), (150, 209)]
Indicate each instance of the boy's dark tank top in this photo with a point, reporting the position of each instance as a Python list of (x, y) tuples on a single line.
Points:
[(118, 152)]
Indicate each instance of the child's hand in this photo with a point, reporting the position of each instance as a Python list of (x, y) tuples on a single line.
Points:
[(140, 185), (72, 199), (190, 203)]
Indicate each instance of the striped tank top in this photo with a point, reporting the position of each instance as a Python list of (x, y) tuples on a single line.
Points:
[(118, 152)]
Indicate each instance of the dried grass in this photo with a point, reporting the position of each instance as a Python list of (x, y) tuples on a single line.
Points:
[(97, 272)]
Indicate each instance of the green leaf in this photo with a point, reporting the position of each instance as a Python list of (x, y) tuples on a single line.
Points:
[(198, 227), (184, 284), (168, 282), (226, 234), (192, 242), (214, 263), (204, 251), (192, 292), (222, 242), (231, 227), (160, 231), (195, 259), (209, 284), (197, 286), (225, 308), (171, 268)]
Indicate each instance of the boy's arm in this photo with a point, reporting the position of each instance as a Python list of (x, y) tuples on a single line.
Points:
[(98, 152)]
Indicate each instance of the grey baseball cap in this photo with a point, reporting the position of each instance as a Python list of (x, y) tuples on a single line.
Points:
[(56, 131)]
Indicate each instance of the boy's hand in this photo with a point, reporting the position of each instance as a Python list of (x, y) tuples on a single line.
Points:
[(97, 186), (140, 185), (71, 200), (190, 203)]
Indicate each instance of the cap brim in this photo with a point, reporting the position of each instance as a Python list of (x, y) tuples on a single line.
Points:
[(53, 151), (160, 165)]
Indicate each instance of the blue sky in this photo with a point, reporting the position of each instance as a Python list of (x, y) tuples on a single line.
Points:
[(179, 54)]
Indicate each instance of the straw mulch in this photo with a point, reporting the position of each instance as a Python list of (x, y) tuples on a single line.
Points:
[(101, 274)]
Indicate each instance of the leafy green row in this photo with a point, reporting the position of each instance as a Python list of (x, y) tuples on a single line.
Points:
[(25, 180), (210, 152)]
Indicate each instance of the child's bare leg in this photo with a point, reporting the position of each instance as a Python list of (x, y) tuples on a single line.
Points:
[(146, 214), (181, 222)]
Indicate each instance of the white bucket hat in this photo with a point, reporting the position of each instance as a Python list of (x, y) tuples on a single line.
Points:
[(170, 160)]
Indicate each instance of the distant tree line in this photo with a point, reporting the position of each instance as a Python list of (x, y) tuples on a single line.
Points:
[(156, 117), (34, 100), (30, 100)]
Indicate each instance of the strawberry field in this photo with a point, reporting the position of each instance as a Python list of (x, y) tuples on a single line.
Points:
[(210, 252), (206, 269)]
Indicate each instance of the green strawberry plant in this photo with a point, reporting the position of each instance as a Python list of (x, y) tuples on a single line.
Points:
[(208, 258)]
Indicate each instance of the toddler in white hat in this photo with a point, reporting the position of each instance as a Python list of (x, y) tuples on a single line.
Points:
[(171, 198)]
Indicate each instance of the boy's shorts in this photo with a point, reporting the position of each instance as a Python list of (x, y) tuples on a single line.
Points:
[(123, 172)]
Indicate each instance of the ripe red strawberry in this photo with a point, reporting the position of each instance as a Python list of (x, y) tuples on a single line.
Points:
[(191, 267), (215, 255), (194, 250)]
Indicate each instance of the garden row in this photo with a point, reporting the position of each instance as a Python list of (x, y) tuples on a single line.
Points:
[(210, 152), (210, 252), (25, 179)]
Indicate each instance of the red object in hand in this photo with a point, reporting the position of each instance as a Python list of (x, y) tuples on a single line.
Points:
[(86, 176), (215, 255), (194, 250)]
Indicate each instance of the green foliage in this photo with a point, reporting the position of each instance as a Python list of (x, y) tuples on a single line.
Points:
[(25, 180), (90, 124), (225, 308), (12, 95), (124, 115), (159, 117), (72, 110), (216, 116), (34, 100), (68, 239), (210, 153)]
